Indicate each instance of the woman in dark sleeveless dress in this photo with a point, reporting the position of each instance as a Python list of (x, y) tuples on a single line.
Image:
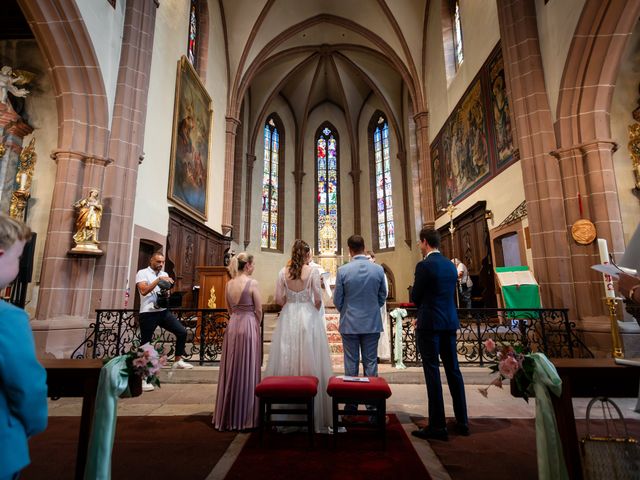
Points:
[(236, 403)]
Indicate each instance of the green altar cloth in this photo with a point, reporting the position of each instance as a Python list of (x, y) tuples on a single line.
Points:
[(520, 296)]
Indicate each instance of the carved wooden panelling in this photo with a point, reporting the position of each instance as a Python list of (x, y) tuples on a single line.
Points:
[(191, 244), (471, 245)]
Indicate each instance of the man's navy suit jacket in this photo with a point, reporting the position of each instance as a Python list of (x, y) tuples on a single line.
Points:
[(433, 293)]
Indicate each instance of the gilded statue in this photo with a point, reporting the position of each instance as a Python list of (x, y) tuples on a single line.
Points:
[(89, 211)]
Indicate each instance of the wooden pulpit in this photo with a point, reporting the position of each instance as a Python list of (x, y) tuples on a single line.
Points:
[(213, 281)]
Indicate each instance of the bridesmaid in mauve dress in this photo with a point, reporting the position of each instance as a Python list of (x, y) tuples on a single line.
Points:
[(236, 403)]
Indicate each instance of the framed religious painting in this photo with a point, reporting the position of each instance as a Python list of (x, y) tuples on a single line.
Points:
[(191, 143)]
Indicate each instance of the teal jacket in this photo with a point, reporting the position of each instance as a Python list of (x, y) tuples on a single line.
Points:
[(23, 390)]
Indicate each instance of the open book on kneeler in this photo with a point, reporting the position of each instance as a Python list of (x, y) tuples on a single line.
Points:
[(519, 289)]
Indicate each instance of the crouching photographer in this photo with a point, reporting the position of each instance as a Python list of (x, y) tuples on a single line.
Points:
[(154, 284)]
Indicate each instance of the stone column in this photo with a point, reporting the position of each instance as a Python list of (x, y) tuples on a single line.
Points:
[(229, 148), (357, 221), (298, 176), (426, 179), (541, 172), (251, 160), (402, 158), (126, 147)]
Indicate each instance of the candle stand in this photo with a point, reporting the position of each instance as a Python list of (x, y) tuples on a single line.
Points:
[(617, 348)]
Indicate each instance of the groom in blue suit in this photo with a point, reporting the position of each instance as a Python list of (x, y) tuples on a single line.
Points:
[(433, 293), (359, 294)]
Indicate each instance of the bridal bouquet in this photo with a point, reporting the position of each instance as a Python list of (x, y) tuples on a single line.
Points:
[(513, 363), (145, 361)]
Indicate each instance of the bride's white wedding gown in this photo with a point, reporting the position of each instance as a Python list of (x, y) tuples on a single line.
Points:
[(299, 343)]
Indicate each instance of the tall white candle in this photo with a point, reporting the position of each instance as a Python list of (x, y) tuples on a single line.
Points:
[(604, 258), (23, 181)]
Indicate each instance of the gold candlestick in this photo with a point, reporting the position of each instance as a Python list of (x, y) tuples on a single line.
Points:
[(617, 348)]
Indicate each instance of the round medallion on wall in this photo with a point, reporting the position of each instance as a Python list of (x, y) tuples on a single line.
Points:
[(583, 231)]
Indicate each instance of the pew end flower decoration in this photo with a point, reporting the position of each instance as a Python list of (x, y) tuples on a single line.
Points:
[(512, 363), (145, 361)]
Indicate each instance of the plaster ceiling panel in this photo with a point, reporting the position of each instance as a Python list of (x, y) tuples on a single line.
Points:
[(327, 87), (324, 34), (297, 89), (264, 84), (356, 89), (410, 16), (387, 80), (287, 13), (240, 17)]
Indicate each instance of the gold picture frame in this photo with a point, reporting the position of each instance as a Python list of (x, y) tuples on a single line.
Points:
[(190, 143)]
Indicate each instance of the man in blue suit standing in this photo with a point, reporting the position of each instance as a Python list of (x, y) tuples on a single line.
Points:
[(433, 293), (359, 294)]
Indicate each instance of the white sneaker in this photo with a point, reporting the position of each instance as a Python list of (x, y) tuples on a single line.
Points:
[(147, 387), (182, 364)]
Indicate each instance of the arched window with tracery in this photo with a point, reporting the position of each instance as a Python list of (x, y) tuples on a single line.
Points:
[(451, 23), (327, 189), (192, 45), (382, 222), (271, 237), (457, 33)]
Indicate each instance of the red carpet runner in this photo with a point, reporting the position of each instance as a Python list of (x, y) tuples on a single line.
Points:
[(359, 455)]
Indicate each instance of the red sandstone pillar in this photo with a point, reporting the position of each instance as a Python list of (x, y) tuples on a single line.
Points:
[(422, 138), (227, 200)]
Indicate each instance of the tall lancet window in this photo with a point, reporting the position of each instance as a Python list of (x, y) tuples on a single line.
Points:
[(457, 33), (383, 226), (192, 46), (271, 231), (327, 198)]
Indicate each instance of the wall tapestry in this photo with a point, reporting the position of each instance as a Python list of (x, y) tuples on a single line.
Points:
[(191, 143), (476, 141)]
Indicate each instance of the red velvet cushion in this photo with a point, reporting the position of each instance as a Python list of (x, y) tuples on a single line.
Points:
[(376, 387), (406, 305), (287, 387)]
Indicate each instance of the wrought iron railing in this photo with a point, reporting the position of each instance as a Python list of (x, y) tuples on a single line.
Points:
[(115, 331), (546, 330)]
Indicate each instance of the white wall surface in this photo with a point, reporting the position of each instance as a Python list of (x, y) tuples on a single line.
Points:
[(556, 25), (481, 33), (217, 87), (105, 26), (153, 174)]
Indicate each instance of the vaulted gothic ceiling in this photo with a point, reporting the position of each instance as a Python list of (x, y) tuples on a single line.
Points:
[(314, 52)]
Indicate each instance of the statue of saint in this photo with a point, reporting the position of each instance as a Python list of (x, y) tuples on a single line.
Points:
[(88, 220), (8, 82)]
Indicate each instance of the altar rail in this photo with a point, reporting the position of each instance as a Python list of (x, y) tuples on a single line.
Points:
[(115, 331), (545, 330)]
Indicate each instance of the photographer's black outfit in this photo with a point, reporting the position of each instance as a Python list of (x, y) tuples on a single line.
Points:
[(154, 314)]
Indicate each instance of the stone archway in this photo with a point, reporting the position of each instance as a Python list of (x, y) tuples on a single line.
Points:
[(583, 134), (83, 133)]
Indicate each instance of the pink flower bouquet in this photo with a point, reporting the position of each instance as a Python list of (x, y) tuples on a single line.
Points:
[(511, 363), (146, 361)]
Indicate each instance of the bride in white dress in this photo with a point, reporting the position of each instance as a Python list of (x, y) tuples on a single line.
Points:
[(299, 344)]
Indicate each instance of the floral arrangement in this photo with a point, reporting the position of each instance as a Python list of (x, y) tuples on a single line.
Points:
[(513, 363), (146, 361)]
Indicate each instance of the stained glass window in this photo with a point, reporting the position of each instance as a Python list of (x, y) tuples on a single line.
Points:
[(457, 34), (327, 182), (192, 47), (384, 201), (270, 185)]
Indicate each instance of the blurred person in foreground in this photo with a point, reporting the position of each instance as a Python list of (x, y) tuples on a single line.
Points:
[(23, 381)]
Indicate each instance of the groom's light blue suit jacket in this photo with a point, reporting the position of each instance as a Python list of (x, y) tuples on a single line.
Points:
[(359, 294)]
